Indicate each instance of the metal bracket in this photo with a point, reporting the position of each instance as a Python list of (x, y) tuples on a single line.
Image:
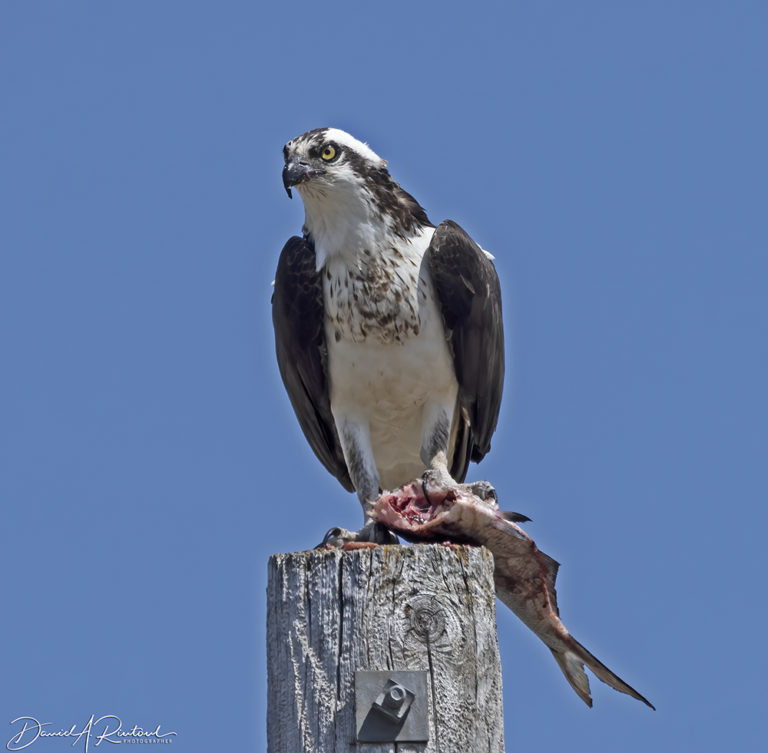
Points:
[(391, 706)]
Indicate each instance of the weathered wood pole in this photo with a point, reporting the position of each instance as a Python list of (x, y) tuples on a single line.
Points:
[(330, 613)]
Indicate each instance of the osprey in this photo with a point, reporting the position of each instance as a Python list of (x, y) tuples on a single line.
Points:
[(388, 330)]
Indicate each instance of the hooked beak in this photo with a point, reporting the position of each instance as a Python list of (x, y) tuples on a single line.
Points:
[(297, 171)]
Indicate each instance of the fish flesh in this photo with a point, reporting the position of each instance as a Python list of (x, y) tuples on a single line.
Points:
[(427, 511)]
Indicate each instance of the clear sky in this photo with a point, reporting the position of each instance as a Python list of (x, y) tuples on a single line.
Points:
[(612, 156)]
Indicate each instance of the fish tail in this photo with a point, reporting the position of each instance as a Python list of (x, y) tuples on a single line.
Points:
[(572, 659)]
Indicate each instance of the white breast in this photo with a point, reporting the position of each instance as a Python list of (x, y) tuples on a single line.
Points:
[(377, 298), (387, 350)]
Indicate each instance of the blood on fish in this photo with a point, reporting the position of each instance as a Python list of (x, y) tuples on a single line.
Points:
[(524, 576)]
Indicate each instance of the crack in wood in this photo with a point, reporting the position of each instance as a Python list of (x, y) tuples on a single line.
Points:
[(430, 608)]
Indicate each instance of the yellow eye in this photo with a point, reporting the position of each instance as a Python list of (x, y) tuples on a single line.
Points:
[(328, 153)]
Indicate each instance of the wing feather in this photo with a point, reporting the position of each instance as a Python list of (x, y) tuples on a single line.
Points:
[(469, 296), (297, 316)]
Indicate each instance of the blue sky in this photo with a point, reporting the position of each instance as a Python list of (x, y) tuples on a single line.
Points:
[(613, 158)]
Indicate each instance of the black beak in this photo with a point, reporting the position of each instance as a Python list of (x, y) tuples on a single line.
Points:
[(295, 172)]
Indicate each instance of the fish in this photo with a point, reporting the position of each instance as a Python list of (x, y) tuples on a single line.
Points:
[(430, 512)]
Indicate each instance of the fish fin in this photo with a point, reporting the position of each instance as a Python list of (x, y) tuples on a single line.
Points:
[(514, 517), (573, 669), (572, 663)]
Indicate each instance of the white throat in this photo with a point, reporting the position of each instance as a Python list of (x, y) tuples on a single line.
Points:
[(342, 221)]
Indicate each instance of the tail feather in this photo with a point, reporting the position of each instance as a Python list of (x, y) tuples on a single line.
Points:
[(572, 661)]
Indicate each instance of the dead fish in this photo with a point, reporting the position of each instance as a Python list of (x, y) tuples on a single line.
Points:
[(523, 575)]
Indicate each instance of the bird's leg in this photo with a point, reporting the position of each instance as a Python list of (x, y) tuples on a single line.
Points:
[(434, 452), (355, 439), (435, 438)]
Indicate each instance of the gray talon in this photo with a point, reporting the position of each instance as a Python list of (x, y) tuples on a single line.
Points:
[(483, 489), (377, 533), (373, 532)]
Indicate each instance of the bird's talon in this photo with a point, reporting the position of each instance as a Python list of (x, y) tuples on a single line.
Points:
[(484, 490), (370, 535)]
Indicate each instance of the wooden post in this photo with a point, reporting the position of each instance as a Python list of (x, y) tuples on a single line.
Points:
[(330, 613)]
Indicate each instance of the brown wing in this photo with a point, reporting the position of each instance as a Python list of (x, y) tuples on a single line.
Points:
[(297, 316), (469, 296)]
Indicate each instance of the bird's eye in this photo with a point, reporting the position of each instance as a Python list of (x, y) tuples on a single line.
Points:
[(328, 153)]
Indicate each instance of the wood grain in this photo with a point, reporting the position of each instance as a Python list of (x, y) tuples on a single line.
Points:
[(331, 612)]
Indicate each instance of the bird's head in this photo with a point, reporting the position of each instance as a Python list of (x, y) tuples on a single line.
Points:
[(350, 200), (327, 161)]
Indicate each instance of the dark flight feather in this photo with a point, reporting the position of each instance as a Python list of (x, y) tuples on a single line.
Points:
[(298, 316), (469, 297)]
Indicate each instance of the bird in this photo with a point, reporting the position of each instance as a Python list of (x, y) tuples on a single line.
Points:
[(388, 329)]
